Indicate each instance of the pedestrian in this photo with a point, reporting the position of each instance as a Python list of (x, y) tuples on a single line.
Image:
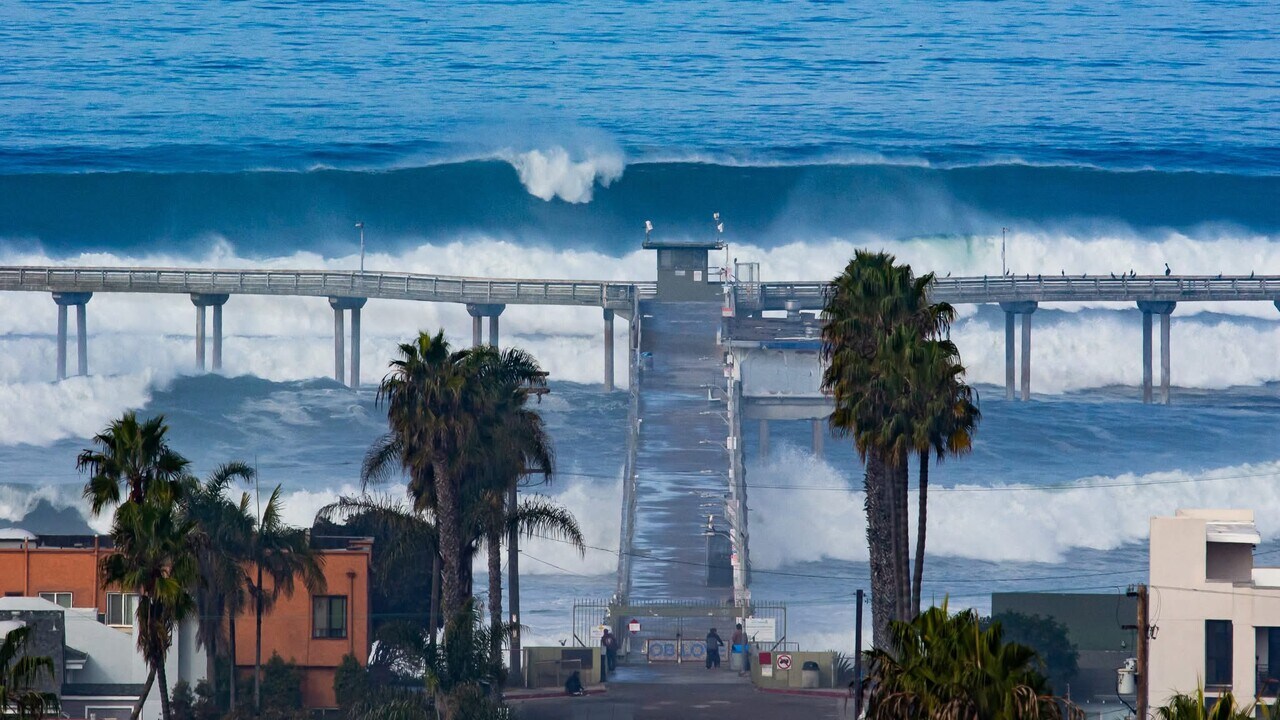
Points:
[(609, 642), (573, 686), (714, 643), (740, 644)]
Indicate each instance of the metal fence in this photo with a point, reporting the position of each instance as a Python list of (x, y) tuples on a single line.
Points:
[(671, 631)]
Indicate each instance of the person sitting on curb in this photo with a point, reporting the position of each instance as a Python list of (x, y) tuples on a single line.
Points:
[(573, 686)]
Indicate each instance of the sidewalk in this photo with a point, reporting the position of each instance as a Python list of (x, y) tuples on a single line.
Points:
[(669, 692)]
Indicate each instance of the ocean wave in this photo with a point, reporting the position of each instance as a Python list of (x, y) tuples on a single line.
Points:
[(807, 511), (595, 200)]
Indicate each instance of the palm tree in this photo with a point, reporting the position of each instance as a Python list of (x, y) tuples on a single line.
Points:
[(20, 675), (1196, 706), (223, 529), (945, 419), (877, 316), (130, 454), (438, 401), (941, 666), (280, 554), (154, 556)]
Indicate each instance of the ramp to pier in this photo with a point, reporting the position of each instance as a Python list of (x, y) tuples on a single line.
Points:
[(681, 455)]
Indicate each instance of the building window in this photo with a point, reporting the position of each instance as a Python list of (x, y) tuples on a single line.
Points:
[(62, 599), (1217, 654), (122, 608), (329, 614)]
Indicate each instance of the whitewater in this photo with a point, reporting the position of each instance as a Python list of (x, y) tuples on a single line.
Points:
[(534, 140)]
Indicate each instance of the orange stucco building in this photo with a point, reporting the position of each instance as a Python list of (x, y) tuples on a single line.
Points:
[(313, 631)]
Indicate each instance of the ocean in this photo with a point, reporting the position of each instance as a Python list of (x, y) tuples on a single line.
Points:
[(535, 139)]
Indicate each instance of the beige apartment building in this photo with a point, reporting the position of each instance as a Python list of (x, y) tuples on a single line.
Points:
[(1216, 615)]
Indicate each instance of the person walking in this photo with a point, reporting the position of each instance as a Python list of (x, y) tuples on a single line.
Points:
[(609, 642), (714, 643), (741, 644)]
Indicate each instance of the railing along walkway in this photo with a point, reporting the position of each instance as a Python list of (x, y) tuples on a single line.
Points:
[(386, 285)]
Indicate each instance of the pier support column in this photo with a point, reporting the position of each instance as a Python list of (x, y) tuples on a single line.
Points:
[(819, 435), (203, 301), (1009, 361), (339, 305), (764, 439), (1164, 309), (608, 351), (79, 300), (479, 311), (1025, 309)]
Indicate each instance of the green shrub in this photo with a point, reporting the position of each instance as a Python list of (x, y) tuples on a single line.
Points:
[(350, 682)]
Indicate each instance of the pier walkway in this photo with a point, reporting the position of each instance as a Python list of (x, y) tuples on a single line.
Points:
[(679, 440)]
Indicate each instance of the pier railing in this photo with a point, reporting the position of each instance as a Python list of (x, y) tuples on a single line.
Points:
[(1045, 288), (387, 285)]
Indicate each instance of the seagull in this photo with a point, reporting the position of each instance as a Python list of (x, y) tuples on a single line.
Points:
[(1064, 273), (1167, 271), (948, 273), (1084, 275), (1113, 276), (1219, 276), (1250, 275)]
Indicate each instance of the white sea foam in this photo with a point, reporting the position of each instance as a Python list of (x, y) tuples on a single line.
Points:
[(811, 514), (556, 173)]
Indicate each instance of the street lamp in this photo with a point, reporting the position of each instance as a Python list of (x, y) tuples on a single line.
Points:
[(360, 227)]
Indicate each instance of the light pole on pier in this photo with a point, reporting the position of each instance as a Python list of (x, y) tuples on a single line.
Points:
[(1004, 269), (360, 227)]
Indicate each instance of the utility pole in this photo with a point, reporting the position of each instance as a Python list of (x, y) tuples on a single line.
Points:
[(1144, 652), (857, 659)]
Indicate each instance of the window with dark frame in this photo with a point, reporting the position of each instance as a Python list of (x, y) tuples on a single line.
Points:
[(1217, 654), (329, 616), (122, 608)]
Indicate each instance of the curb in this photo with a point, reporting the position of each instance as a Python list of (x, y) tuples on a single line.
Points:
[(818, 692), (546, 696)]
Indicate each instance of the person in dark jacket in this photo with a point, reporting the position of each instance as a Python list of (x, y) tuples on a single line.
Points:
[(714, 643), (573, 686)]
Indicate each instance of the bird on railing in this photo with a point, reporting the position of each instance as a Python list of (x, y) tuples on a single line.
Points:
[(1167, 270), (1219, 277), (1250, 275), (1064, 273), (1113, 276)]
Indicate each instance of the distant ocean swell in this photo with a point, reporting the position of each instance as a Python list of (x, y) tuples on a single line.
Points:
[(597, 202)]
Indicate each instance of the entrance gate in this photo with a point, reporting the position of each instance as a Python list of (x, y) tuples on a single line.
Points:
[(672, 631)]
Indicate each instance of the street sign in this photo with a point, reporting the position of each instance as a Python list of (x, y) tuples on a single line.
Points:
[(761, 629), (784, 662), (634, 626)]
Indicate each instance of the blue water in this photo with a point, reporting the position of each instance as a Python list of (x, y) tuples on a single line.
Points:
[(537, 137), (158, 85)]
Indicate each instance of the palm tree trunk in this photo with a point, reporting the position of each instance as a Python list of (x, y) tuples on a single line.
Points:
[(165, 711), (450, 532), (493, 543), (904, 541), (880, 544), (513, 586), (257, 646), (142, 698), (922, 514), (231, 678), (211, 652), (436, 571)]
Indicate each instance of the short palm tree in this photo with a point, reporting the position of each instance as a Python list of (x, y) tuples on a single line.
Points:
[(1196, 706), (280, 554), (20, 677), (945, 418), (129, 455), (941, 666), (223, 531)]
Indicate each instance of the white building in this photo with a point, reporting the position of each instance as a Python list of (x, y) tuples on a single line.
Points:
[(1216, 614), (102, 672)]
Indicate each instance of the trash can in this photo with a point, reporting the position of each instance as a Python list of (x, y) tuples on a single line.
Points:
[(809, 675), (735, 657)]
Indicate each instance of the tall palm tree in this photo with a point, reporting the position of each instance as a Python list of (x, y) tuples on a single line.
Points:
[(223, 529), (20, 677), (941, 666), (877, 315), (944, 424), (280, 554), (154, 556), (153, 549), (436, 403)]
